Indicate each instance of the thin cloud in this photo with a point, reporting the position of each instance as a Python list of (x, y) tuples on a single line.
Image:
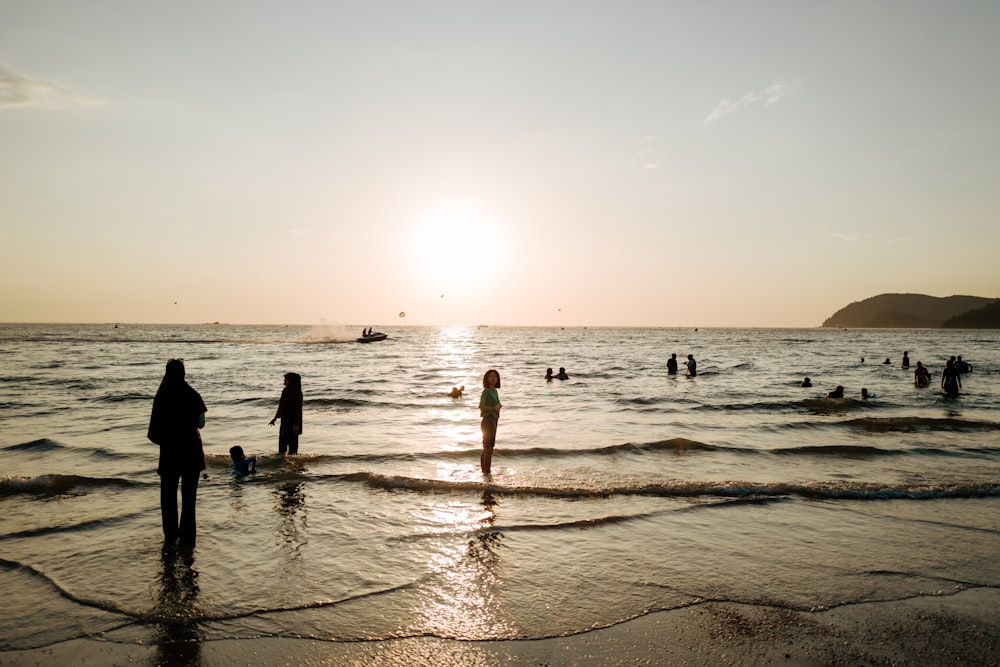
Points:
[(769, 96), (842, 236), (19, 91)]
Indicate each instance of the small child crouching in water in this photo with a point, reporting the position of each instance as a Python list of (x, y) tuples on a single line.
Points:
[(241, 464)]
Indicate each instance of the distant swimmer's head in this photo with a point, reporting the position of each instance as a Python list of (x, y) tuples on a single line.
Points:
[(496, 376), (807, 383), (175, 370)]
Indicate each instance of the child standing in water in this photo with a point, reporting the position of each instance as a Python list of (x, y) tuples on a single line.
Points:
[(290, 414), (489, 410)]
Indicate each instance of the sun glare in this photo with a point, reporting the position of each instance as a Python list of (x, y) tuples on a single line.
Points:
[(450, 239)]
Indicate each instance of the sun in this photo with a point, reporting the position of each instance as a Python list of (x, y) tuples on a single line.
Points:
[(452, 239)]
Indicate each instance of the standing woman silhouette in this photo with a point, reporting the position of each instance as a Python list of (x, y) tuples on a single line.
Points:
[(489, 411), (290, 414), (178, 413)]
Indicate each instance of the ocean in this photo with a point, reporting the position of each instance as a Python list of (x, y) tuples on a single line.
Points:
[(619, 492)]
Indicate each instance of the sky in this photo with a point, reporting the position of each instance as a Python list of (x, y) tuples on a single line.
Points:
[(524, 163)]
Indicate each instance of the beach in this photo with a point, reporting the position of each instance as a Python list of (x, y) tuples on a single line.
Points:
[(952, 629), (631, 517)]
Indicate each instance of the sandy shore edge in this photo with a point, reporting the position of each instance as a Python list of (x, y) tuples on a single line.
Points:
[(958, 629)]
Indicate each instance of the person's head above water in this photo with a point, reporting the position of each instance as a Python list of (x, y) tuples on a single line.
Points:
[(236, 453)]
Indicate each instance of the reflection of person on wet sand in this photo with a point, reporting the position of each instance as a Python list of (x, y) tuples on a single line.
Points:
[(484, 547), (291, 507), (178, 641)]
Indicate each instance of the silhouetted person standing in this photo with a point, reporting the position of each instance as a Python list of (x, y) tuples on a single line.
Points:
[(178, 413), (672, 364), (290, 414), (951, 381)]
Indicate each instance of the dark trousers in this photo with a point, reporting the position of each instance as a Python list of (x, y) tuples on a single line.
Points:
[(288, 442), (185, 530)]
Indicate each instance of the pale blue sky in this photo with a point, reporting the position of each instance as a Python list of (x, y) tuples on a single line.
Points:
[(528, 163)]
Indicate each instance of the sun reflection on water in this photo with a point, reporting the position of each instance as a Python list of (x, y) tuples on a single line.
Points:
[(455, 420), (464, 594)]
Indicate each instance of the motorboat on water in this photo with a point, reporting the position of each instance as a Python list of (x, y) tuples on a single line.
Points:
[(373, 337)]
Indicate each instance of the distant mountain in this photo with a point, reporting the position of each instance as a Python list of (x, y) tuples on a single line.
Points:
[(987, 317), (909, 311)]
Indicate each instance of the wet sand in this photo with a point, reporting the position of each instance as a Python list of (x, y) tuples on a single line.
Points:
[(940, 629)]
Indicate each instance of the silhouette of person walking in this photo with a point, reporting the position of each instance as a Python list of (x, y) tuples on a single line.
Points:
[(178, 413)]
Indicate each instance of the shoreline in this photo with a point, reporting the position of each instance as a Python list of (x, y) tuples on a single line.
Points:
[(940, 629)]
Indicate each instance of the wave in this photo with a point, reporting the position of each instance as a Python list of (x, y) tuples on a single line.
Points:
[(124, 398), (40, 445), (908, 424), (56, 485), (47, 445), (674, 446), (853, 451), (99, 524), (837, 490)]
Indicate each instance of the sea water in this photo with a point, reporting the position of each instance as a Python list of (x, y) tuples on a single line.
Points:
[(618, 492)]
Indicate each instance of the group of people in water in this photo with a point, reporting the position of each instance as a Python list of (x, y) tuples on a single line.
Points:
[(178, 415), (951, 376), (692, 365)]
